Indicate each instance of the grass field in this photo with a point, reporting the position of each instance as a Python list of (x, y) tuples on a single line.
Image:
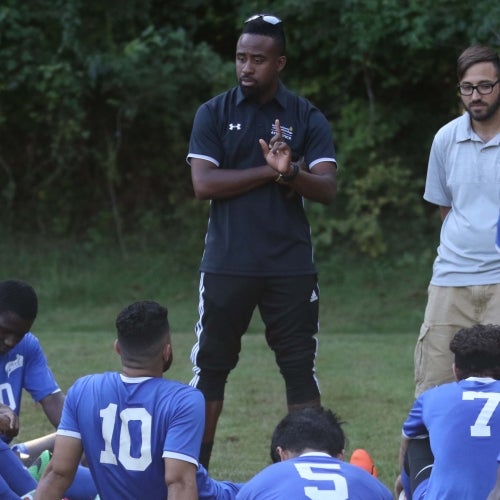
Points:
[(370, 314)]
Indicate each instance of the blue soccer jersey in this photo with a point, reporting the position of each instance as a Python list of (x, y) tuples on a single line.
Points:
[(128, 426), (462, 420), (315, 476), (25, 367)]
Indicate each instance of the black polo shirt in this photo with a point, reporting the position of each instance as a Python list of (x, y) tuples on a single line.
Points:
[(263, 232)]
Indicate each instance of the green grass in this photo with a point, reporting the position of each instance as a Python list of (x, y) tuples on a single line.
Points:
[(370, 314)]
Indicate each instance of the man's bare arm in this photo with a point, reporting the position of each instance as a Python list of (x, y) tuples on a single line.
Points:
[(180, 478)]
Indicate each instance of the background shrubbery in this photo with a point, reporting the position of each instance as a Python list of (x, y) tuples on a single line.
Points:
[(97, 100)]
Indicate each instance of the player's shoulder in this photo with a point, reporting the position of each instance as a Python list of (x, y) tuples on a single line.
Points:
[(439, 391), (361, 483), (167, 388), (183, 388), (95, 379), (29, 347), (29, 340)]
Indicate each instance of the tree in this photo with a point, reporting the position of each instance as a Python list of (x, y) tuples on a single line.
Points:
[(97, 100)]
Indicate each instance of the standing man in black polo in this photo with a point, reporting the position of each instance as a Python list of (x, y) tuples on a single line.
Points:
[(256, 151)]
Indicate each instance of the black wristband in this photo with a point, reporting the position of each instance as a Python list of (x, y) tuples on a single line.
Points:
[(290, 177)]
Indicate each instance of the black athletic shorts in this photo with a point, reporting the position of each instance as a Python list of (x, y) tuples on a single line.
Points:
[(289, 309)]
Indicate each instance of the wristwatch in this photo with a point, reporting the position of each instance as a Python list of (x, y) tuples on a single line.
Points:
[(289, 177)]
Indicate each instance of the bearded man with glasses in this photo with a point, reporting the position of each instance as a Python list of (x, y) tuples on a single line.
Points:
[(463, 180), (256, 151)]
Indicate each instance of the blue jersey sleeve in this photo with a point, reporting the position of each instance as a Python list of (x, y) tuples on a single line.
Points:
[(186, 426), (414, 426), (211, 489), (39, 380), (68, 425)]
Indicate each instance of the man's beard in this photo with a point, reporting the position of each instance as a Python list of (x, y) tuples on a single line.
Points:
[(484, 113), (252, 92)]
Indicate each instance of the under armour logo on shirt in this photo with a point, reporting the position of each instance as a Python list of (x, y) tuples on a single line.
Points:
[(232, 126)]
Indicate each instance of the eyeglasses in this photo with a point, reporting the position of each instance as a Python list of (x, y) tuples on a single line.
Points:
[(482, 88), (266, 18)]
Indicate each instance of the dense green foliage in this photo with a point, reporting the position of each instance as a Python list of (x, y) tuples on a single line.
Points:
[(97, 100)]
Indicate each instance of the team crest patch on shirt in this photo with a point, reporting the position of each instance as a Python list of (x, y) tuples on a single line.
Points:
[(286, 132), (14, 364)]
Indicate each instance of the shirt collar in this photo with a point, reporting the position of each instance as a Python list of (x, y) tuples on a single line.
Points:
[(315, 454), (465, 132), (484, 380), (280, 97)]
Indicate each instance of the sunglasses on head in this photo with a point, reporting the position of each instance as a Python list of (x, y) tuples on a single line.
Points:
[(266, 18)]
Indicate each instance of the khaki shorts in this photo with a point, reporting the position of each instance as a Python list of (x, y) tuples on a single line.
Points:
[(448, 310)]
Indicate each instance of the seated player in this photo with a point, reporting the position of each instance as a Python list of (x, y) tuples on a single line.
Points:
[(23, 366), (307, 450), (141, 433), (450, 437)]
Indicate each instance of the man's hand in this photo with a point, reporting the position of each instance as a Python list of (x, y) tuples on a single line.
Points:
[(277, 153), (9, 421)]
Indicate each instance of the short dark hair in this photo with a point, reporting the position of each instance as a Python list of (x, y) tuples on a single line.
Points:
[(141, 327), (477, 351), (18, 297), (257, 26), (316, 428), (474, 55)]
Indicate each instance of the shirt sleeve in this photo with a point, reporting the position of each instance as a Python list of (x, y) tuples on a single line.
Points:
[(210, 489), (68, 426), (319, 144), (39, 380), (414, 427), (185, 429), (436, 190), (205, 142)]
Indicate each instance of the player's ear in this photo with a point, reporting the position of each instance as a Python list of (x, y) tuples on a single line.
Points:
[(116, 347), (283, 454), (167, 351)]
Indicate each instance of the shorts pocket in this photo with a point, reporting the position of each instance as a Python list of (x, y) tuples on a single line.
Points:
[(418, 357)]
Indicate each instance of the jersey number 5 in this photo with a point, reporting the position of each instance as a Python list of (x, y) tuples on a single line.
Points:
[(339, 490)]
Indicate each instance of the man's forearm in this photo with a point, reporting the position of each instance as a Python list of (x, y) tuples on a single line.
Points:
[(51, 487), (181, 491)]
